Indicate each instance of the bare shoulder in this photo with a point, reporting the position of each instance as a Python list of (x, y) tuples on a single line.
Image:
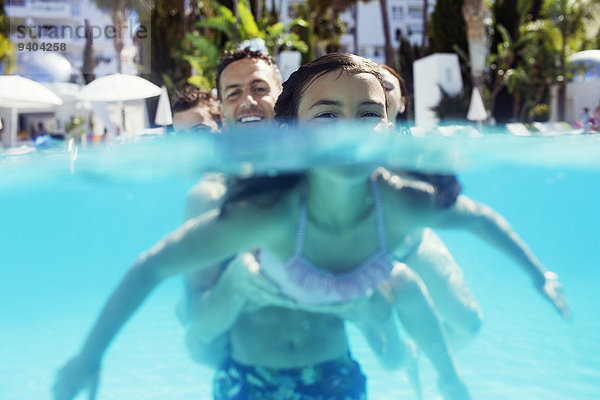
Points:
[(269, 212), (207, 194), (409, 205)]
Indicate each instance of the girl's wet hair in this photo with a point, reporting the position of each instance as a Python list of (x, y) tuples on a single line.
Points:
[(446, 186), (240, 189), (286, 108)]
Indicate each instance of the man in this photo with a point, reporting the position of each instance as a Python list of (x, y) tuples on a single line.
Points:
[(248, 84), (195, 109)]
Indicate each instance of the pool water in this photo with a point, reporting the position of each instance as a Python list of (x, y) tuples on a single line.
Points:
[(68, 234)]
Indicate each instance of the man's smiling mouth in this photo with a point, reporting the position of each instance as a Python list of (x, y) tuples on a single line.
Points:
[(250, 119)]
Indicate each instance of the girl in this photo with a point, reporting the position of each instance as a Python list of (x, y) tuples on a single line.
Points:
[(331, 229)]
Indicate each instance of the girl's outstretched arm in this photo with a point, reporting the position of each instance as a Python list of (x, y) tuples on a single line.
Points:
[(488, 224), (82, 370), (198, 243)]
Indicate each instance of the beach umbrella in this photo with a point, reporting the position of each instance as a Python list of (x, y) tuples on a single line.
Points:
[(19, 92), (164, 115), (119, 88), (476, 108), (16, 93)]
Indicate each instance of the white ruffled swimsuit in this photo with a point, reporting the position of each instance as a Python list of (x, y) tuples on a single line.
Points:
[(304, 281)]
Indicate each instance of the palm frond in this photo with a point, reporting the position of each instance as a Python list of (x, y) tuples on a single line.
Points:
[(246, 22)]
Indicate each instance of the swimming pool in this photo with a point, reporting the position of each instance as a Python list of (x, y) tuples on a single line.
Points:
[(66, 238)]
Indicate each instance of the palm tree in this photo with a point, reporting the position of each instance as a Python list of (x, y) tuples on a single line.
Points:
[(7, 50), (570, 18), (119, 11), (389, 54), (425, 27), (323, 23), (473, 12), (340, 5), (524, 66), (204, 51)]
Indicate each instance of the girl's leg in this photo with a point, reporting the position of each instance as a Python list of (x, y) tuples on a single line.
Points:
[(445, 282), (416, 312)]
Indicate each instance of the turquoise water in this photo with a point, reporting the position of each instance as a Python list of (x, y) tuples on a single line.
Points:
[(70, 227)]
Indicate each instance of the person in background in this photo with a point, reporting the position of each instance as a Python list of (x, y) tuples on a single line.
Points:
[(196, 110), (1, 134), (596, 117), (431, 259), (396, 94), (586, 120)]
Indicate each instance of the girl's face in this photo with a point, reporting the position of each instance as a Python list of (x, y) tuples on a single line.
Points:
[(334, 96)]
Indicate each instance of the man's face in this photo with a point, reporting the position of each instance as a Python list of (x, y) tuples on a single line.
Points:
[(249, 91), (197, 118)]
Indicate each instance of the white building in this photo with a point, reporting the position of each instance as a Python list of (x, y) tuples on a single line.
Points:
[(60, 27), (583, 90), (63, 22), (405, 21)]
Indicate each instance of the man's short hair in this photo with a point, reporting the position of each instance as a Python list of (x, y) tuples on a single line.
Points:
[(191, 96), (233, 56)]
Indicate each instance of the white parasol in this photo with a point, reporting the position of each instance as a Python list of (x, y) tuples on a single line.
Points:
[(164, 115), (19, 92), (119, 88), (16, 93), (476, 108)]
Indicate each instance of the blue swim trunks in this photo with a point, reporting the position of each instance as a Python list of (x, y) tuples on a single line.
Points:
[(340, 379)]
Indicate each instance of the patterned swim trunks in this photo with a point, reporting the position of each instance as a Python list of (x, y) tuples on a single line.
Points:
[(339, 379)]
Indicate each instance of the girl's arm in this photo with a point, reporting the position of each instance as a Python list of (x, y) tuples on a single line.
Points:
[(82, 370), (198, 243), (489, 225)]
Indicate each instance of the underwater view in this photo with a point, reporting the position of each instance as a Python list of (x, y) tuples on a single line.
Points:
[(73, 221)]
